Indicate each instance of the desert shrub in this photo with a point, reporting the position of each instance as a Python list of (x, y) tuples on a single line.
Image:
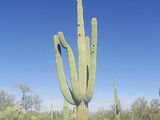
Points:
[(12, 113), (6, 100), (126, 115)]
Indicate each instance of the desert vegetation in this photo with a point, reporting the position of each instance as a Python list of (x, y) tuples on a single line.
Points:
[(140, 109), (12, 109)]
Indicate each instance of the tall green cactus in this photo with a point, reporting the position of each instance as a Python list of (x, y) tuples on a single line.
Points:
[(65, 110), (117, 107), (83, 84)]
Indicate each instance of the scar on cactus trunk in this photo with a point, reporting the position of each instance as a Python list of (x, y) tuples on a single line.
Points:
[(82, 85)]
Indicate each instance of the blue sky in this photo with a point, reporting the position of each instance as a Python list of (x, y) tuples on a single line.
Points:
[(128, 47)]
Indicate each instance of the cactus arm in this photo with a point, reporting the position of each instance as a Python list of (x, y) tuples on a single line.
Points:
[(61, 76), (72, 68), (92, 71), (87, 57), (81, 48)]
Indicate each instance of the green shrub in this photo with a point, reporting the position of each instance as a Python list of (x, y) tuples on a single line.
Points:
[(12, 113)]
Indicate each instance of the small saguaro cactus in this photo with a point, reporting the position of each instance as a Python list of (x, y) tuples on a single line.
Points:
[(65, 110), (83, 84), (51, 112), (159, 92), (116, 103), (75, 113)]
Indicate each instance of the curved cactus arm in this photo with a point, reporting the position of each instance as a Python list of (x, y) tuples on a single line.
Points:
[(92, 71), (67, 93), (72, 68), (87, 57)]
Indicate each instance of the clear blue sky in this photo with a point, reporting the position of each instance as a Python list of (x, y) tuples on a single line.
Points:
[(128, 46)]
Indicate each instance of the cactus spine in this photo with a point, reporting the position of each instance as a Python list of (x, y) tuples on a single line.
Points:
[(83, 85), (65, 110), (116, 103)]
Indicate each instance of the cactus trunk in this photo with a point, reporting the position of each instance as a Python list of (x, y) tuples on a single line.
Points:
[(82, 111), (82, 84)]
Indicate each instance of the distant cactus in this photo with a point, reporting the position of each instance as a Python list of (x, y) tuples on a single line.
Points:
[(83, 85), (51, 112), (117, 107), (73, 114), (159, 92), (65, 110)]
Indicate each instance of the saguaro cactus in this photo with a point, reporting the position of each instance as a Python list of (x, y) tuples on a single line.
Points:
[(51, 112), (83, 85), (65, 110), (116, 103)]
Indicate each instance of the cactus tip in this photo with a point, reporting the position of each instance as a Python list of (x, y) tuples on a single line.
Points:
[(60, 33), (94, 19), (55, 36), (87, 37)]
